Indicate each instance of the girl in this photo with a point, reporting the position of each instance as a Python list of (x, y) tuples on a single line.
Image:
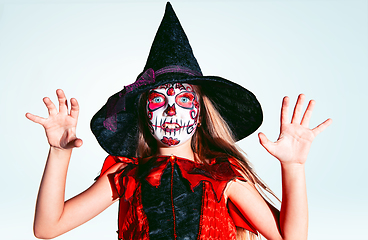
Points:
[(173, 161)]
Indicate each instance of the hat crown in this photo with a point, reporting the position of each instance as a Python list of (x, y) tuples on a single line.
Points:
[(171, 46)]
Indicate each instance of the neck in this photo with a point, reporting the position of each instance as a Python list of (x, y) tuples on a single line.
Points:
[(184, 151)]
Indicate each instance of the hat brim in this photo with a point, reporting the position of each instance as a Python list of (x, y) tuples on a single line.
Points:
[(238, 106)]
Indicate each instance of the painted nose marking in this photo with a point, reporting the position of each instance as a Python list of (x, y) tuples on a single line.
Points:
[(170, 110), (171, 91)]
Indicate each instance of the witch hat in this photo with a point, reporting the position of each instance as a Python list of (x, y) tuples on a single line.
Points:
[(171, 60)]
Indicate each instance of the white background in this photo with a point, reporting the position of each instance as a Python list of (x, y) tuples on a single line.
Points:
[(91, 49)]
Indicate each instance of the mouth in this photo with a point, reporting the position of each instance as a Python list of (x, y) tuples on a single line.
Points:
[(170, 126)]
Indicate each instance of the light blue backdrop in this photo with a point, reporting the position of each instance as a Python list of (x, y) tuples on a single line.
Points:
[(91, 49)]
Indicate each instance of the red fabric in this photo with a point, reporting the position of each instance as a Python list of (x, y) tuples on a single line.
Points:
[(112, 160), (238, 218), (109, 162), (218, 221), (133, 222), (215, 220)]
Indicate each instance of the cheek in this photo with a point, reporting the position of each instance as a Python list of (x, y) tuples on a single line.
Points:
[(150, 115), (154, 115), (155, 106), (193, 114)]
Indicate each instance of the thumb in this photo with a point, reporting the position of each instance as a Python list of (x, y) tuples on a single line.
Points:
[(76, 143), (267, 144)]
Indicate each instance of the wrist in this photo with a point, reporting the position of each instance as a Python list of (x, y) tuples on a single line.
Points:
[(294, 166), (60, 157), (293, 161), (60, 151)]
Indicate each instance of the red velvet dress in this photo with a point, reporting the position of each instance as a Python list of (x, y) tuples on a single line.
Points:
[(154, 206)]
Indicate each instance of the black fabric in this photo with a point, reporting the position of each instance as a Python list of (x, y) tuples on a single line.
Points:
[(122, 142), (171, 45), (158, 207)]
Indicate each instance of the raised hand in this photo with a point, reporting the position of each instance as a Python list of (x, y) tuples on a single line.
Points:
[(60, 127), (295, 137)]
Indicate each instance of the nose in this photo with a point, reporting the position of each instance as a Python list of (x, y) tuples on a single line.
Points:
[(170, 110)]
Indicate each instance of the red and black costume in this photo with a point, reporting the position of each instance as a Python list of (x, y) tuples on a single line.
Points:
[(174, 198)]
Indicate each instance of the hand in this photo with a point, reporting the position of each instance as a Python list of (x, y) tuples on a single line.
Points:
[(295, 137), (60, 127)]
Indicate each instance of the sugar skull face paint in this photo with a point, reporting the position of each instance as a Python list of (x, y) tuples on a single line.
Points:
[(173, 111)]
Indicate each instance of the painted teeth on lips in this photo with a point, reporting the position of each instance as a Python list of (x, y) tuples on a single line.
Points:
[(170, 125)]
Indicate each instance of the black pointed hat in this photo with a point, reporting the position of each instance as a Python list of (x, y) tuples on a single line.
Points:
[(171, 46), (171, 59)]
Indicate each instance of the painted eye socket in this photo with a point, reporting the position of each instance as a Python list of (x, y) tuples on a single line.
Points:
[(185, 99), (155, 101)]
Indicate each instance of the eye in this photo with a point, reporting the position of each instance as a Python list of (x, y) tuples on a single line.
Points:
[(184, 99), (158, 99), (155, 101)]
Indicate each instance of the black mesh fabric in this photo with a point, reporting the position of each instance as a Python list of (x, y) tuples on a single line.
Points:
[(157, 204)]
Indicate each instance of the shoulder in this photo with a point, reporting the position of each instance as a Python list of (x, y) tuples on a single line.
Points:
[(226, 168), (112, 170), (114, 164), (238, 187)]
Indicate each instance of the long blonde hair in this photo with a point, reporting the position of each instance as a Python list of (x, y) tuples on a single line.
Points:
[(212, 139)]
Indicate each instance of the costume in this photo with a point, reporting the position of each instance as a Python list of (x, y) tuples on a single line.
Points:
[(174, 198)]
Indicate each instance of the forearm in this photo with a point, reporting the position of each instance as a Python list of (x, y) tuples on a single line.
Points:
[(294, 207), (291, 149), (50, 200)]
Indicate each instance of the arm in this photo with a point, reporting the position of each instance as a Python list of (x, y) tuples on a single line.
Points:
[(291, 149), (53, 216)]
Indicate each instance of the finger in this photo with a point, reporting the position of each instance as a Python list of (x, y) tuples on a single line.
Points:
[(298, 109), (285, 110), (76, 143), (35, 119), (50, 106), (267, 144), (63, 104), (308, 113), (74, 109), (317, 130)]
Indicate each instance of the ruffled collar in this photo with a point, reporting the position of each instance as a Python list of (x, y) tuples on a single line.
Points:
[(217, 173)]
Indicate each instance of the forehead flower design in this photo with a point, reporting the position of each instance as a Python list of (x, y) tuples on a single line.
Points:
[(173, 110)]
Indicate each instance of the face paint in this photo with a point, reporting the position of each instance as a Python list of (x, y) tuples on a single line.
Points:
[(173, 110)]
